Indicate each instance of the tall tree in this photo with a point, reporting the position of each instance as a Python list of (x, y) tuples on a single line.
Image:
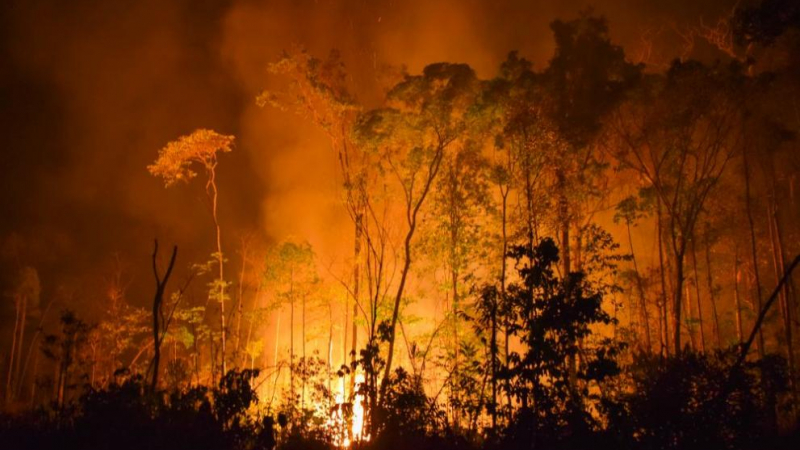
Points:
[(427, 113), (455, 240), (679, 135), (174, 164), (586, 78), (629, 211)]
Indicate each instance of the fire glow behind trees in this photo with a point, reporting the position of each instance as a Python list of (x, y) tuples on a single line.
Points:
[(457, 233)]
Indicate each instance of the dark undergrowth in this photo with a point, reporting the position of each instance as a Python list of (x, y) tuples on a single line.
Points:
[(695, 402)]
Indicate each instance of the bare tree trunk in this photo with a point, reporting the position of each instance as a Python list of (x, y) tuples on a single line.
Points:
[(503, 270), (330, 348), (305, 361), (356, 292), (493, 351), (678, 288), (94, 365), (11, 360), (398, 299), (220, 263), (753, 247), (737, 300), (769, 392), (698, 297), (158, 300), (240, 302), (454, 287), (60, 387), (563, 219), (412, 211), (688, 319), (778, 259), (711, 296), (662, 272), (640, 288), (33, 384), (31, 347), (21, 342), (564, 225), (291, 337), (763, 312), (661, 331), (277, 342)]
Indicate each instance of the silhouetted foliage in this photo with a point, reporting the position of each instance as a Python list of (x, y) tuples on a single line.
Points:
[(127, 415), (696, 401)]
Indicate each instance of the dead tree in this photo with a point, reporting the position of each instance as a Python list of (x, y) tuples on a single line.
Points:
[(158, 300)]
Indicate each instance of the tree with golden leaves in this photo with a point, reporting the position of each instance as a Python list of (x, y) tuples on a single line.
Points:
[(174, 164)]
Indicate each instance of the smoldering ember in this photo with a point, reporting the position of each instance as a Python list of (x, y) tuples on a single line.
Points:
[(399, 224)]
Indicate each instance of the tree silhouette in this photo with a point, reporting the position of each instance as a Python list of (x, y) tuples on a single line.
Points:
[(679, 137)]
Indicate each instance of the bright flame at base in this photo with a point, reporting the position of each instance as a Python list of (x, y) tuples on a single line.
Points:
[(338, 421)]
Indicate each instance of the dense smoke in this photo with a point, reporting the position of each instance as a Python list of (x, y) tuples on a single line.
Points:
[(91, 90)]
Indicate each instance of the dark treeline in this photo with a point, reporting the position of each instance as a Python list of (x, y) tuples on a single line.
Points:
[(596, 254)]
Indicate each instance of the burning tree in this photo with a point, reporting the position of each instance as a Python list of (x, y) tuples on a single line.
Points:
[(174, 164)]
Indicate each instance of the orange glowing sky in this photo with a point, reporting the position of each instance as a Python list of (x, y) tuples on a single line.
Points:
[(91, 91)]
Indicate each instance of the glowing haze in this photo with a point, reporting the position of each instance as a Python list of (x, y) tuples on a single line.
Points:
[(92, 90)]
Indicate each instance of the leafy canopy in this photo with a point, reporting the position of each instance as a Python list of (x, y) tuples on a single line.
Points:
[(175, 160)]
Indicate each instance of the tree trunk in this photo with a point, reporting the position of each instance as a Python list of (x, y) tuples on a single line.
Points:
[(356, 291), (330, 348), (753, 247), (564, 225), (220, 263), (412, 210), (237, 351), (31, 348), (60, 387), (662, 272), (698, 297), (291, 339), (711, 296), (502, 300), (10, 375), (677, 300), (688, 319), (737, 300), (277, 347), (640, 288), (778, 258), (305, 361), (158, 300), (493, 354), (397, 300), (454, 275), (20, 343), (33, 384)]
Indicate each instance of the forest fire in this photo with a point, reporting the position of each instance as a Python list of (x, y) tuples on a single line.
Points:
[(388, 225), (352, 427)]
